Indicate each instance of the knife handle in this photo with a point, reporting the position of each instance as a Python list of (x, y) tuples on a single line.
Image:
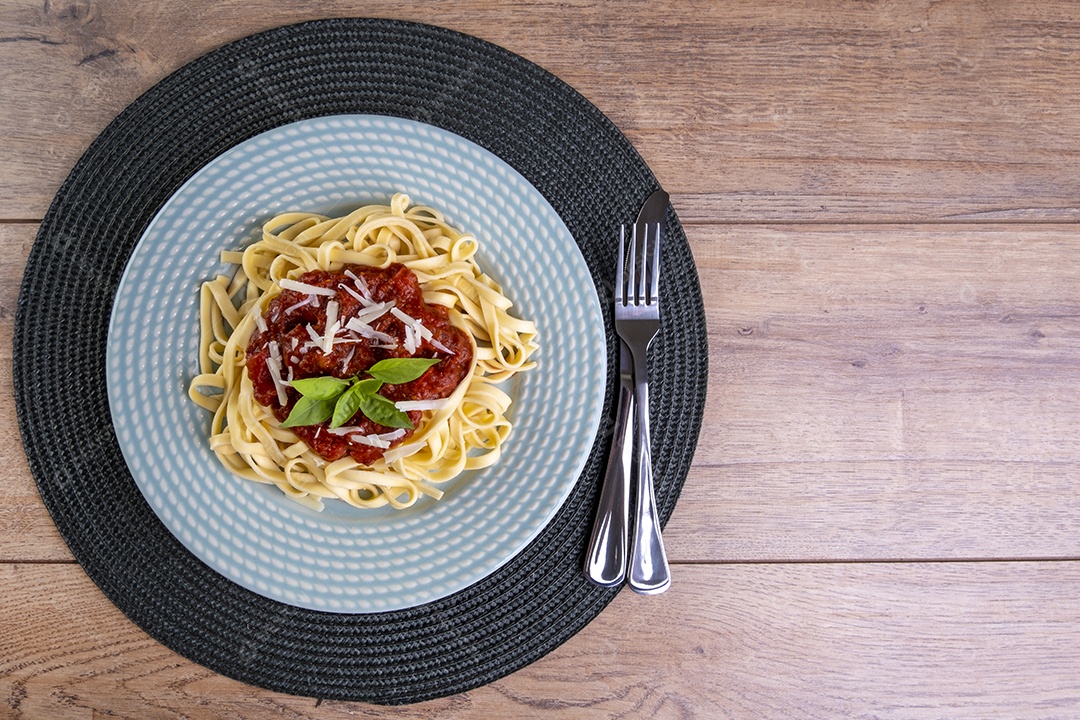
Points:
[(649, 571), (605, 560)]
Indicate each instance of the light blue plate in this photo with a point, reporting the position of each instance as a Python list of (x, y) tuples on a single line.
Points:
[(344, 559)]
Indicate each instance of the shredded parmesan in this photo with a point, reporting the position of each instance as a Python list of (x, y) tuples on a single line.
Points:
[(361, 284), (404, 317), (305, 288), (380, 441), (439, 346), (273, 364), (355, 433), (344, 430), (259, 321), (348, 359), (407, 405), (332, 326), (369, 332), (419, 332), (411, 341), (306, 301), (363, 300), (375, 311)]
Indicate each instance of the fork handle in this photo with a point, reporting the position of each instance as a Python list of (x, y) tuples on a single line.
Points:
[(649, 572), (605, 560)]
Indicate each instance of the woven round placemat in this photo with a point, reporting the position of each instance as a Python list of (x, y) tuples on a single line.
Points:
[(553, 136)]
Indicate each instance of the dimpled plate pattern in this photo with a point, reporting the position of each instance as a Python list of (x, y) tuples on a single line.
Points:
[(346, 559)]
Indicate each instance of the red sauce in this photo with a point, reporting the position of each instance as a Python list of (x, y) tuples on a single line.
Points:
[(288, 316)]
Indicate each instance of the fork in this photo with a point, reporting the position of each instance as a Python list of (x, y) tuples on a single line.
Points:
[(637, 319)]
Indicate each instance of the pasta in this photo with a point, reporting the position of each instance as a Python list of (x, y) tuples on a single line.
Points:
[(466, 432)]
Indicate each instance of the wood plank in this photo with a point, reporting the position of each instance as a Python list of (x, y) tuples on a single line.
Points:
[(862, 640), (891, 342), (884, 510), (26, 530), (812, 111), (884, 392)]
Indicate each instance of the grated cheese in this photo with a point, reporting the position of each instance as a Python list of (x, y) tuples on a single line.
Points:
[(306, 288), (405, 317), (332, 326), (407, 405), (439, 346), (348, 359), (419, 332), (369, 332), (374, 311), (273, 363), (411, 344), (361, 284), (259, 321), (344, 430), (360, 298), (306, 301), (355, 433), (380, 441)]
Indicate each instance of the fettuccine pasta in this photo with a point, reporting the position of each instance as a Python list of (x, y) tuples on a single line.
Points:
[(466, 432)]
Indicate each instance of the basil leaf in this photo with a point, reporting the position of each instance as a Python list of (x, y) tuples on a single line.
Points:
[(369, 386), (309, 411), (321, 388), (350, 401), (384, 412), (400, 370)]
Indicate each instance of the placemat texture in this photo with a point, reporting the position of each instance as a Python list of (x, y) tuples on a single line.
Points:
[(553, 136)]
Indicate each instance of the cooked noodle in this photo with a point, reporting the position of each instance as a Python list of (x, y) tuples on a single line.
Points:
[(466, 433)]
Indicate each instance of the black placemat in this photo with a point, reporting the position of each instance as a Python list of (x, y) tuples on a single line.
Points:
[(554, 137)]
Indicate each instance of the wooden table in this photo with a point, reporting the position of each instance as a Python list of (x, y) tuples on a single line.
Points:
[(883, 517)]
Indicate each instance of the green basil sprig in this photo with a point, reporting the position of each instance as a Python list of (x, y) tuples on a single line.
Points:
[(337, 399)]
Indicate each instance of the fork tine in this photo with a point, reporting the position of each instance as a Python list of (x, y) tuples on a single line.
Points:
[(632, 290), (642, 295), (654, 270), (620, 269)]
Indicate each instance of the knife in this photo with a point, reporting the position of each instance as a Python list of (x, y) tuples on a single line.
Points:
[(649, 573)]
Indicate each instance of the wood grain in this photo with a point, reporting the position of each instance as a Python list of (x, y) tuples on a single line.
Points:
[(881, 518), (886, 392), (876, 392), (27, 532), (866, 641), (812, 111), (891, 342)]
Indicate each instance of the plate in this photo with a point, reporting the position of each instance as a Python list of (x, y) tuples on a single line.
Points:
[(345, 559)]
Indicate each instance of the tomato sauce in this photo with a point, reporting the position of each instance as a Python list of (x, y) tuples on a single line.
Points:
[(295, 319)]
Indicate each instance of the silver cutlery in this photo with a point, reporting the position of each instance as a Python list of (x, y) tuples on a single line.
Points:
[(637, 320)]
